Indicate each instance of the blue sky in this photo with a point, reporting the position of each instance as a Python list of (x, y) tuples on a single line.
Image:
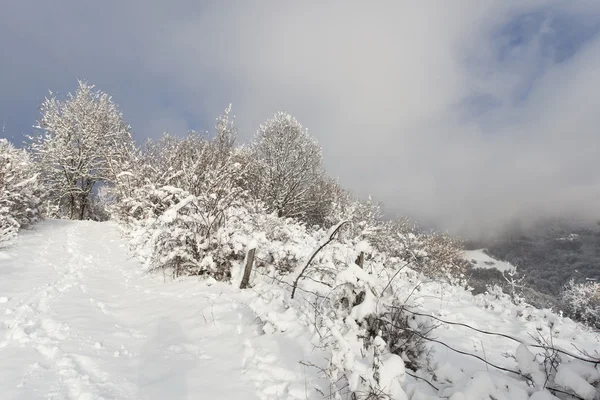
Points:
[(465, 113)]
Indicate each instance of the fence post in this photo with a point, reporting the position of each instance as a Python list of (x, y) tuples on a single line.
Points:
[(248, 269), (360, 260)]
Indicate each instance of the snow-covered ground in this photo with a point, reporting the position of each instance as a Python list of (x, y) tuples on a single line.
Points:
[(493, 314), (79, 320), (481, 260)]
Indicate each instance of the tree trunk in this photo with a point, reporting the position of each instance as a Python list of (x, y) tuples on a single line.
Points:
[(83, 204), (71, 206)]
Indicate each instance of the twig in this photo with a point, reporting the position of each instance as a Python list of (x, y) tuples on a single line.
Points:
[(394, 276), (314, 254), (500, 335), (453, 349), (423, 379)]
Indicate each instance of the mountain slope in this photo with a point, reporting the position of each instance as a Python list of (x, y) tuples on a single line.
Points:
[(551, 253)]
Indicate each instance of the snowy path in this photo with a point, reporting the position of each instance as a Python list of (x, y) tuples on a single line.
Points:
[(78, 320)]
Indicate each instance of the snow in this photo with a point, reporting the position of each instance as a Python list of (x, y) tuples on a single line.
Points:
[(569, 238), (367, 307), (353, 274), (486, 312), (171, 214), (484, 385), (568, 378), (480, 259), (391, 375), (543, 395), (125, 173), (528, 366), (80, 320)]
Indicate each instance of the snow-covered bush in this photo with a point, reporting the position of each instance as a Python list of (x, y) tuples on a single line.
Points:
[(358, 315), (175, 229), (443, 257), (438, 256), (581, 301), (359, 319), (198, 204), (21, 193), (178, 198), (373, 330)]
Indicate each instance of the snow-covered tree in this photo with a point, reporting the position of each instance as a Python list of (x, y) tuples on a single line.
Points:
[(329, 200), (81, 141), (21, 193), (287, 168), (225, 136)]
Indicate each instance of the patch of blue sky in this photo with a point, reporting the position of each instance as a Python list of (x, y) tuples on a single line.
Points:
[(521, 51)]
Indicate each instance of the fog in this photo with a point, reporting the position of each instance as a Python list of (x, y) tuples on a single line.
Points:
[(465, 115)]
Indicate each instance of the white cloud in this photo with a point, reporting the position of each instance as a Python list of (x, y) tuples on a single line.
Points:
[(390, 90)]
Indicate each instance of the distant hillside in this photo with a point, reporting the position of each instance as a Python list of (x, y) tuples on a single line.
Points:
[(551, 253)]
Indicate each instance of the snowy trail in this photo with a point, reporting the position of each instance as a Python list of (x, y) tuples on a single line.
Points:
[(78, 320)]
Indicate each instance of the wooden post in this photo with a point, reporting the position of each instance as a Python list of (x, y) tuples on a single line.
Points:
[(360, 260), (248, 269)]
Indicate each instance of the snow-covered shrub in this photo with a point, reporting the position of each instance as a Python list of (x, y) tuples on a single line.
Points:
[(581, 301), (406, 334), (191, 213), (359, 317), (169, 237), (194, 163), (366, 219), (21, 193), (177, 230), (188, 204), (328, 199), (347, 322), (437, 256), (560, 372), (443, 257)]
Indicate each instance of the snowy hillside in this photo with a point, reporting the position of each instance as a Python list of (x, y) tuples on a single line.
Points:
[(479, 259), (80, 320)]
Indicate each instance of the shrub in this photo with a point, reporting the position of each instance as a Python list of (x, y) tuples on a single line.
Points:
[(21, 193), (581, 301)]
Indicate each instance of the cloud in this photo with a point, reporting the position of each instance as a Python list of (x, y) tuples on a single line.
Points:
[(461, 114)]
